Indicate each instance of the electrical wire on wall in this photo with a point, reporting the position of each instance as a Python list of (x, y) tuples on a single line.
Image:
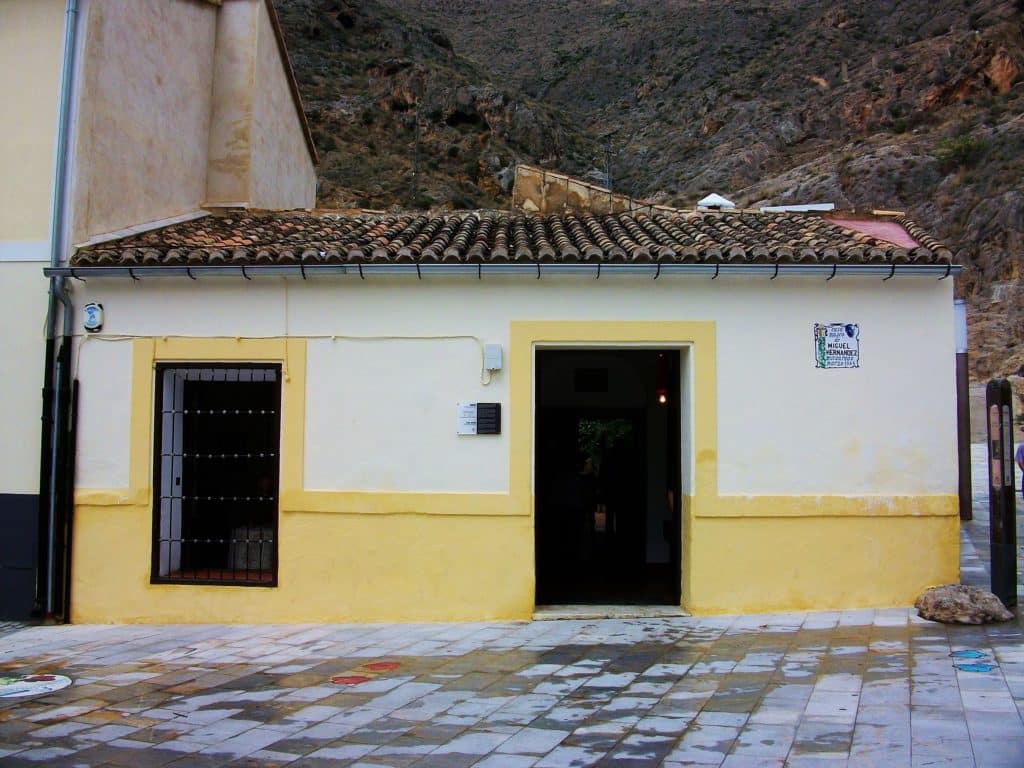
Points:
[(485, 375)]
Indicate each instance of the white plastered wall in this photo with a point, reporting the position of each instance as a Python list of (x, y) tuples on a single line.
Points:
[(887, 427), (380, 412), (103, 370)]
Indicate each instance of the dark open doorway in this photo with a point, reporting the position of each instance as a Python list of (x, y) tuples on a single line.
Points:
[(608, 476)]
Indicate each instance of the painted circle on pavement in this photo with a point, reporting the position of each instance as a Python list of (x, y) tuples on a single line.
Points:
[(31, 685)]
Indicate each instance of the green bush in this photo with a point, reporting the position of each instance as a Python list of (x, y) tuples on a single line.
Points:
[(963, 151)]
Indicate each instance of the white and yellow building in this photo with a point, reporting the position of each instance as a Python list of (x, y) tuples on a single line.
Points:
[(119, 115), (717, 411)]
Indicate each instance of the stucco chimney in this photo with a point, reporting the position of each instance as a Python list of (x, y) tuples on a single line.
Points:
[(231, 122)]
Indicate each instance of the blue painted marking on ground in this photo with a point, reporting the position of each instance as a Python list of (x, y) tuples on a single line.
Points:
[(967, 654)]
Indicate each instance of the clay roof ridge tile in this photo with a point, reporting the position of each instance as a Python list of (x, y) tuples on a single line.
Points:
[(712, 252), (407, 254), (101, 256), (151, 256), (736, 252), (851, 253), (639, 253), (781, 252), (432, 252), (689, 253), (875, 254), (452, 254)]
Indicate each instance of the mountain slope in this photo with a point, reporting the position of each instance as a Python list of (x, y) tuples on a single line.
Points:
[(399, 118)]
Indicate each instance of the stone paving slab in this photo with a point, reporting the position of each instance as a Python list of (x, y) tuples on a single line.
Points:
[(975, 552)]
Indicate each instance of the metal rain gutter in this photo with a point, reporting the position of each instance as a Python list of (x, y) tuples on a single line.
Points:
[(532, 270)]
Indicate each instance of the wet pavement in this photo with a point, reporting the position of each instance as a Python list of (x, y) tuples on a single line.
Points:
[(975, 552), (857, 688)]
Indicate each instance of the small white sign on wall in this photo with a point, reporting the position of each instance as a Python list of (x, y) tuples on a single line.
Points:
[(836, 345), (465, 419)]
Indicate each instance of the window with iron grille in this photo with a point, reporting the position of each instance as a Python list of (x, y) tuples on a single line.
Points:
[(215, 474)]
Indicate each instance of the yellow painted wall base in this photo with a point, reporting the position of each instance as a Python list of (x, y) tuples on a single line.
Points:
[(789, 564), (420, 567), (334, 568)]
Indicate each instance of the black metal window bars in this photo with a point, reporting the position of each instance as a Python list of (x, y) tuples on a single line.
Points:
[(216, 474)]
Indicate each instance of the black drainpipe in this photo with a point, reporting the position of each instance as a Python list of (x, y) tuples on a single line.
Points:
[(66, 500), (55, 451), (45, 461), (61, 492), (57, 461)]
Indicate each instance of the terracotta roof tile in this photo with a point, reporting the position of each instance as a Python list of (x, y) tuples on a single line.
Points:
[(712, 237)]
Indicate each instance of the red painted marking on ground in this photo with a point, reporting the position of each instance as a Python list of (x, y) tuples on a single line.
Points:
[(381, 666), (350, 679), (38, 679)]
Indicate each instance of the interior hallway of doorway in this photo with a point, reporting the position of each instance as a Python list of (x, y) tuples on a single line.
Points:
[(607, 472)]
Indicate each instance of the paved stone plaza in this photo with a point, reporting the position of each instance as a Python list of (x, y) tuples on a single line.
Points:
[(857, 688)]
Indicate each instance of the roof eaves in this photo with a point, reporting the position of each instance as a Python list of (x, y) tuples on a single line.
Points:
[(261, 237), (532, 270)]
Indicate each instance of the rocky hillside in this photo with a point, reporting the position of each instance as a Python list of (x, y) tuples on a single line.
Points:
[(401, 119), (915, 105)]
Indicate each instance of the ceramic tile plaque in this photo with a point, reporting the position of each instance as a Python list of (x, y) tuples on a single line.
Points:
[(836, 345)]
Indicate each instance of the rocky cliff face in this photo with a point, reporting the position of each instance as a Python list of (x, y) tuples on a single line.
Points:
[(915, 105), (400, 119)]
